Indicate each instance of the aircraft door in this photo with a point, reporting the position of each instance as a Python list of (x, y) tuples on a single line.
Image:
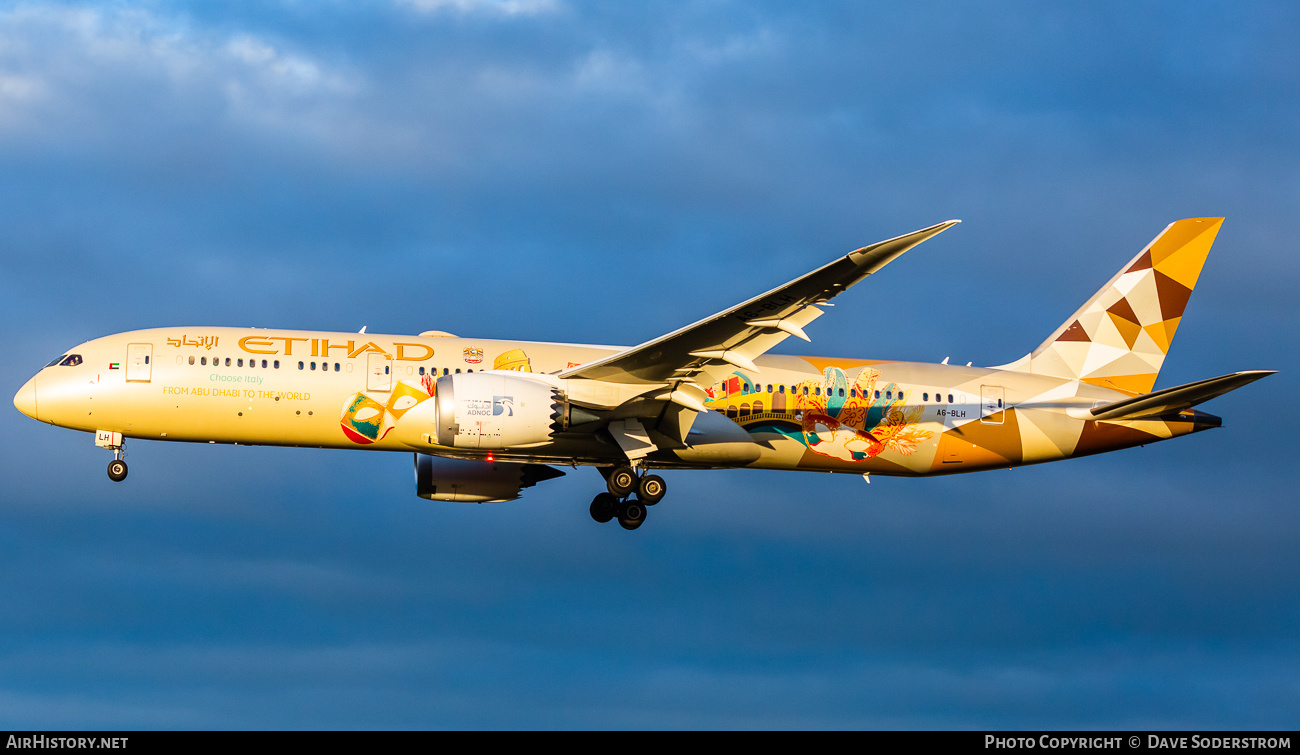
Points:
[(379, 372), (138, 362), (992, 411)]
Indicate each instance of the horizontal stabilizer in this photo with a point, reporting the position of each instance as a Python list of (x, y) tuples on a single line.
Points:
[(1178, 398)]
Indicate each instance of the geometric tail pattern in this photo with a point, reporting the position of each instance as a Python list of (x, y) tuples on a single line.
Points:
[(1119, 338)]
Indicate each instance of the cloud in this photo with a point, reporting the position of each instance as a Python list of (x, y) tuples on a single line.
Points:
[(493, 7), (98, 75)]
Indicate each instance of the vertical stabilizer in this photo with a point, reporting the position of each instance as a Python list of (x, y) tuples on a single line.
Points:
[(1119, 338)]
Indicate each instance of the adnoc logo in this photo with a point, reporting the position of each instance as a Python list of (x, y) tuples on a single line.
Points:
[(503, 405)]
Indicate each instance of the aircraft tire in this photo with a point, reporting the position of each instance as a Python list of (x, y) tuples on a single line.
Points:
[(621, 481), (117, 470), (632, 515), (603, 507), (651, 489)]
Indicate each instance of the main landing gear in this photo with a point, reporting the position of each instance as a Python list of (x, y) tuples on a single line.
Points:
[(629, 495)]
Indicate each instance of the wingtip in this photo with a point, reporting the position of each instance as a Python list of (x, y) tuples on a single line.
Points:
[(937, 227)]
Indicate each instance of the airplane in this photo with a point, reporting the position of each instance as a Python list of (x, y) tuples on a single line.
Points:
[(485, 419)]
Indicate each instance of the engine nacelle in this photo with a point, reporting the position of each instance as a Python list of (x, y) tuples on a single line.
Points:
[(492, 410), (461, 481)]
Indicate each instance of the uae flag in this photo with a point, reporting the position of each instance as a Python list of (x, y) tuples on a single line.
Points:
[(113, 365)]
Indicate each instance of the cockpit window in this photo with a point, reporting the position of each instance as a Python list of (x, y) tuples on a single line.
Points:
[(57, 359), (71, 360)]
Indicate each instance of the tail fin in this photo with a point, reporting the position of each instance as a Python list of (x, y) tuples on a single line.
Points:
[(1119, 338)]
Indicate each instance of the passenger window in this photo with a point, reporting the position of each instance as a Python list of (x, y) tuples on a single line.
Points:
[(841, 393), (313, 365), (337, 367), (191, 360), (227, 361), (877, 394), (421, 370), (239, 363), (889, 395), (276, 363), (805, 390), (925, 397), (146, 359), (203, 361), (780, 389), (263, 364), (300, 365), (950, 398)]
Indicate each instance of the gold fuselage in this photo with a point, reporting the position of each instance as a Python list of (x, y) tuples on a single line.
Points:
[(293, 388)]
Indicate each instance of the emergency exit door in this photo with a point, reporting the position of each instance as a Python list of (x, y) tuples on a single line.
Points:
[(138, 358), (992, 412)]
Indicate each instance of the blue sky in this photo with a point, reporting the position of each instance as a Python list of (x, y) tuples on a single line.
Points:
[(604, 173)]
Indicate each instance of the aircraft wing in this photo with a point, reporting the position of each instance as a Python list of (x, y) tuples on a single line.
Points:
[(732, 338)]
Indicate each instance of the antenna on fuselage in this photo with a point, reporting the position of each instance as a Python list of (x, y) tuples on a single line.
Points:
[(363, 329)]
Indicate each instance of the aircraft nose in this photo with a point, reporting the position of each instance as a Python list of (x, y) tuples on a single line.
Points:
[(25, 399)]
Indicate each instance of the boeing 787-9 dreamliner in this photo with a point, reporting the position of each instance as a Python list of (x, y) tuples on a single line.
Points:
[(485, 419)]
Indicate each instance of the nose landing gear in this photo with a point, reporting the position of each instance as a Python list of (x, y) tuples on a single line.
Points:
[(628, 498), (117, 444)]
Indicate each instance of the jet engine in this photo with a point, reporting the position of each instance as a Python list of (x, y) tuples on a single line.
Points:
[(461, 481), (492, 410)]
